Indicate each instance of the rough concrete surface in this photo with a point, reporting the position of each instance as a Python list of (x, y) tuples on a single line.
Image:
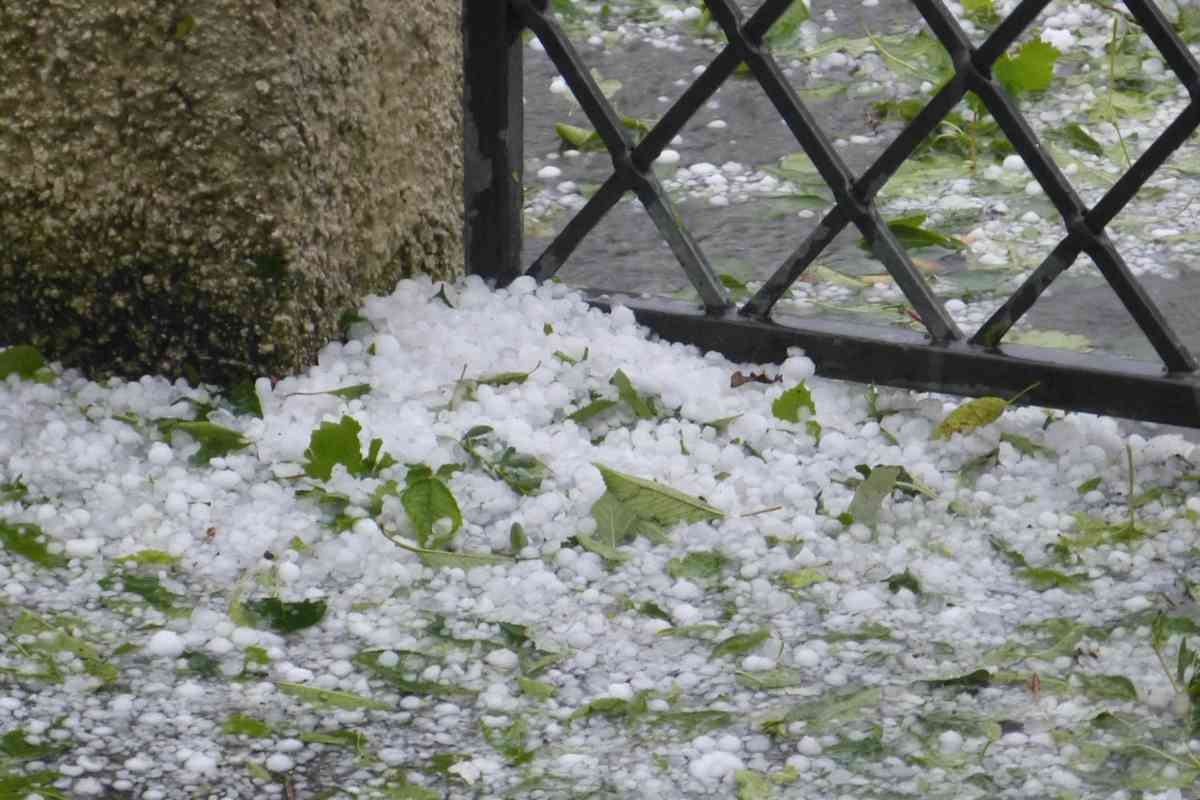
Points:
[(203, 188)]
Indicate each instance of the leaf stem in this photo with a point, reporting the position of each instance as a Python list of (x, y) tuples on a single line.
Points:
[(1022, 393), (760, 511)]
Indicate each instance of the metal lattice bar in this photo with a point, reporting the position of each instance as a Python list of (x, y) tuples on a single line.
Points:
[(837, 176), (941, 361), (493, 129), (627, 173), (878, 174)]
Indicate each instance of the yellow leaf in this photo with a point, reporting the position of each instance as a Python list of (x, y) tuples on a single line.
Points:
[(975, 414)]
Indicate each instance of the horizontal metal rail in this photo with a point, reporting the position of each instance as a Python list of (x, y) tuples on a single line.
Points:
[(942, 359)]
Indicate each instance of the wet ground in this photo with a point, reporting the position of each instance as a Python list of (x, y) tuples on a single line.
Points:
[(646, 59)]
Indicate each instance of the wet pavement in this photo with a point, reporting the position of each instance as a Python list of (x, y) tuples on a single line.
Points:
[(652, 59)]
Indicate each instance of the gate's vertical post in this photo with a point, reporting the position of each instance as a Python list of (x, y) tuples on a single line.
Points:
[(493, 122)]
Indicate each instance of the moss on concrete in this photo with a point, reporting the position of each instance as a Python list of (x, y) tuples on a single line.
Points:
[(203, 189)]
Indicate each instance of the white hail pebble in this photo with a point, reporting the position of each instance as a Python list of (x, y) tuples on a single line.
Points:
[(797, 368), (166, 643), (667, 157), (201, 764), (861, 600), (502, 659), (219, 646), (716, 765), (80, 548), (160, 453), (548, 173), (278, 762), (757, 664)]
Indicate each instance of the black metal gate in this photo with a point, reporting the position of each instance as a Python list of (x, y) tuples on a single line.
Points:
[(943, 359)]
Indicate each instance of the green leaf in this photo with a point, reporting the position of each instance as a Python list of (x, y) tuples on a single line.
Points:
[(14, 744), (21, 360), (1056, 340), (720, 424), (243, 396), (872, 630), (334, 443), (779, 678), (1027, 446), (147, 587), (704, 632), (788, 405), (214, 440), (1107, 687), (731, 283), (1183, 661), (971, 682), (694, 723), (904, 580), (395, 676), (912, 236), (506, 378), (1012, 557), (443, 559), (39, 784), (799, 580), (536, 689), (787, 27), (1043, 579), (1077, 136), (752, 785), (642, 407), (510, 742), (846, 704), (698, 565), (241, 725), (427, 500), (256, 655), (581, 139), (286, 617), (29, 541), (149, 558), (615, 520), (601, 548), (346, 392), (347, 738), (517, 540), (614, 708), (739, 643), (592, 409), (653, 501), (1030, 70), (869, 495), (330, 698), (981, 12), (521, 472), (14, 491), (654, 611)]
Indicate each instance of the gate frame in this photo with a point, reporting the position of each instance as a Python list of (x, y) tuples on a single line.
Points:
[(943, 361)]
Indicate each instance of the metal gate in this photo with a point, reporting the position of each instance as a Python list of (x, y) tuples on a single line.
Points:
[(943, 359)]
